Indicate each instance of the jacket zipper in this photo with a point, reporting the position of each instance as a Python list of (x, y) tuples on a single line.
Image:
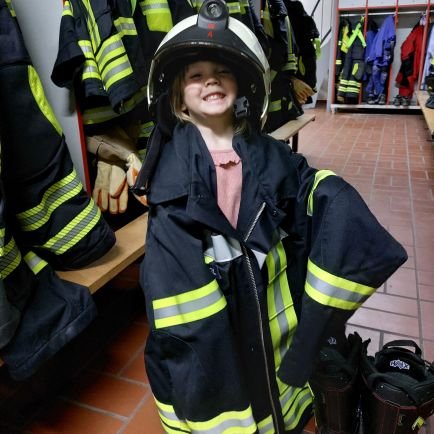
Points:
[(258, 307)]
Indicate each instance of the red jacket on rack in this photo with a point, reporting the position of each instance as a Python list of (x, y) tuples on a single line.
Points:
[(411, 55)]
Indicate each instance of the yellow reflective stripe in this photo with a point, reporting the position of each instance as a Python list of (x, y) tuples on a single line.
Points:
[(266, 426), (208, 259), (10, 258), (90, 71), (170, 421), (40, 99), (189, 306), (229, 422), (334, 291), (142, 153), (418, 423), (35, 263), (301, 399), (275, 106), (110, 48), (125, 26), (54, 196), (319, 176), (117, 70), (234, 8), (146, 129), (158, 15), (338, 62), (67, 9), (266, 21), (357, 33), (11, 8), (105, 113), (92, 26), (281, 313), (75, 231)]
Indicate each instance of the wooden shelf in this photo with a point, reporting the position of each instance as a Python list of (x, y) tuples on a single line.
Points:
[(422, 97), (389, 107)]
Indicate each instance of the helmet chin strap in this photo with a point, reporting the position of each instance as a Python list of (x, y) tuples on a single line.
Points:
[(241, 108)]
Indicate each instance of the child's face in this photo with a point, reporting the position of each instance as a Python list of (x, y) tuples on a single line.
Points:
[(209, 91)]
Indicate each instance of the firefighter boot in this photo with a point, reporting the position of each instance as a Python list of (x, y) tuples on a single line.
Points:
[(397, 388), (334, 384)]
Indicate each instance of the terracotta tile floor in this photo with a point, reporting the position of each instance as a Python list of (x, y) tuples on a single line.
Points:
[(97, 385)]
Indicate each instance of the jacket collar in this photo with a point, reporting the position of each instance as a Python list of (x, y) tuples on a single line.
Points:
[(186, 169)]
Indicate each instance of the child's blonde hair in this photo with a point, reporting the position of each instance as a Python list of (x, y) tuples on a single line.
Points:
[(177, 100)]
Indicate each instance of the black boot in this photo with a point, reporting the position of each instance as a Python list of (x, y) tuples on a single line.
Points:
[(397, 388), (335, 388)]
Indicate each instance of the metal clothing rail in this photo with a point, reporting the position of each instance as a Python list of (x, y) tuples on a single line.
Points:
[(344, 14)]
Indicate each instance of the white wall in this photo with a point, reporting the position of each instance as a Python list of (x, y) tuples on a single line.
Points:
[(39, 22)]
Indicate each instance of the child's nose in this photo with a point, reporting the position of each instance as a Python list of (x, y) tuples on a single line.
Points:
[(212, 79)]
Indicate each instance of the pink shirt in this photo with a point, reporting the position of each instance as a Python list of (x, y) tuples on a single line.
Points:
[(229, 172)]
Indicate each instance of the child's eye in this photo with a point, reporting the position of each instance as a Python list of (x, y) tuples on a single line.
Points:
[(225, 71), (194, 76)]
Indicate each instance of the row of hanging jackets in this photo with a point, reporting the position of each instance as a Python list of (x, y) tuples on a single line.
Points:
[(363, 59), (106, 47), (47, 221)]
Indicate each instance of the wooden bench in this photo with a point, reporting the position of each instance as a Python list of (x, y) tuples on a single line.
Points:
[(422, 97), (289, 131), (130, 245)]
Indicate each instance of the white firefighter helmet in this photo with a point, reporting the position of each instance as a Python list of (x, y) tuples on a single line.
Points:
[(213, 35)]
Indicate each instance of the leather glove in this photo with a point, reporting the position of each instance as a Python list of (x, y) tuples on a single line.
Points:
[(118, 145), (134, 165), (302, 91), (110, 191)]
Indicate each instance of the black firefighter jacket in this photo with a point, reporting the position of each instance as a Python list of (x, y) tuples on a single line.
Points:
[(238, 315)]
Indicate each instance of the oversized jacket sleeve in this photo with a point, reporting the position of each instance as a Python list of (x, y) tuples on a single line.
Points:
[(350, 256), (190, 355)]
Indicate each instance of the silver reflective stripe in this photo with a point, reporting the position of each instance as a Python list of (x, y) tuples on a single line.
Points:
[(35, 263), (68, 236), (292, 417), (55, 196), (278, 302), (266, 426), (146, 7), (241, 422), (108, 48), (334, 291), (260, 257), (223, 249), (110, 73), (288, 396), (229, 425), (10, 257), (188, 306)]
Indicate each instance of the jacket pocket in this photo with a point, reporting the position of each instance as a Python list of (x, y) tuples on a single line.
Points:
[(174, 369)]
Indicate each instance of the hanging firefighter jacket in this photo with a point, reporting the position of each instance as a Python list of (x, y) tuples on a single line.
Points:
[(351, 74), (306, 36), (237, 315), (39, 312), (379, 56), (47, 212), (100, 40), (342, 47), (411, 54), (283, 105)]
